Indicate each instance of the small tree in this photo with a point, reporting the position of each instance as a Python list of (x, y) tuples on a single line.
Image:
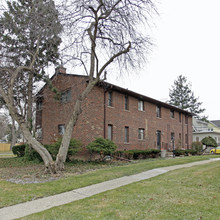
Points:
[(209, 142), (181, 95), (197, 145), (102, 146)]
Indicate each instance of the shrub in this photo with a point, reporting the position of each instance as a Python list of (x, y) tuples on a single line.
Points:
[(198, 146), (139, 154), (31, 154), (74, 147), (191, 151), (179, 152), (19, 150), (101, 146)]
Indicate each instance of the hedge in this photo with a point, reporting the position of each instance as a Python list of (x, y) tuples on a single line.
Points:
[(19, 150), (138, 154)]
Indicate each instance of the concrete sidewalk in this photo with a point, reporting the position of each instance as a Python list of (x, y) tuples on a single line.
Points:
[(27, 208)]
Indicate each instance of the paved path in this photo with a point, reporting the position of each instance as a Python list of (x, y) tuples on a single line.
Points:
[(27, 208)]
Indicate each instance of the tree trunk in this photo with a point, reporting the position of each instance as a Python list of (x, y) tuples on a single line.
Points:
[(45, 155), (62, 154), (13, 134), (30, 100)]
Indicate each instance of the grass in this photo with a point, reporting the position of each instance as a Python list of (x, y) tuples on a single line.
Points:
[(192, 193), (12, 193)]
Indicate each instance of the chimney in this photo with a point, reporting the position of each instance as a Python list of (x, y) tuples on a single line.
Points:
[(60, 70)]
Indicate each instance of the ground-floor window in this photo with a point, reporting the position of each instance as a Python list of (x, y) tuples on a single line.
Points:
[(141, 133), (110, 131), (158, 133), (126, 134), (39, 133), (61, 129)]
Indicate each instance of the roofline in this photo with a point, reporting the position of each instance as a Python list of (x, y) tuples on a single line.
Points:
[(109, 86), (143, 97)]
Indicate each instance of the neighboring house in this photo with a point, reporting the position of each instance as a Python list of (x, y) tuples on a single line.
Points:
[(131, 120), (202, 129), (216, 123)]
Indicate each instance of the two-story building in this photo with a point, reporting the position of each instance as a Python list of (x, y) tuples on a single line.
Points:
[(131, 120)]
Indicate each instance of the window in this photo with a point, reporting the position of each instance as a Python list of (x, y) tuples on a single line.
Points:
[(186, 139), (61, 129), (172, 136), (180, 138), (158, 111), (197, 139), (110, 129), (180, 117), (172, 113), (126, 103), (110, 99), (39, 105), (39, 133), (141, 134), (158, 133), (141, 105), (66, 96), (186, 119), (126, 134)]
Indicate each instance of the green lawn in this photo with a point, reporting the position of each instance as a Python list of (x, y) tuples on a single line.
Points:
[(190, 193), (12, 193)]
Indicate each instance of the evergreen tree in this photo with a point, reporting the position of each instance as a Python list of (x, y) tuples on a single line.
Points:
[(181, 95), (29, 42), (26, 26)]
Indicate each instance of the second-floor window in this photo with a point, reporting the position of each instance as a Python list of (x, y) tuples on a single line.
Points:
[(126, 103), (180, 117), (186, 119), (66, 96), (39, 105), (140, 105), (110, 103), (172, 113), (158, 111)]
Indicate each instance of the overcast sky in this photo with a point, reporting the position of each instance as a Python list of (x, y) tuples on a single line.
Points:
[(187, 42)]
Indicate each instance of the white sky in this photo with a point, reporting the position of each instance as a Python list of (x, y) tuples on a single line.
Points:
[(187, 39)]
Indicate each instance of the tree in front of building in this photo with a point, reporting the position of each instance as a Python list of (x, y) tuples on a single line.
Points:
[(29, 42), (182, 96), (106, 37)]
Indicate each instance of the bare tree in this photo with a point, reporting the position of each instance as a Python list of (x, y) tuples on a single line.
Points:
[(102, 33), (97, 34)]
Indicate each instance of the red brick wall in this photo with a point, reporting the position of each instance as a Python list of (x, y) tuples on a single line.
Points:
[(91, 121), (135, 119)]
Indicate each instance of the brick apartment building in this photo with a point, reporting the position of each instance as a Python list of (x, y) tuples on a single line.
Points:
[(131, 120)]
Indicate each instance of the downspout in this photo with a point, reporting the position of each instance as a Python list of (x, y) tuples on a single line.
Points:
[(187, 132), (183, 144), (104, 113)]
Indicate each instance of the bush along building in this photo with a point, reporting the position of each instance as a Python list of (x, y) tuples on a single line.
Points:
[(129, 119)]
